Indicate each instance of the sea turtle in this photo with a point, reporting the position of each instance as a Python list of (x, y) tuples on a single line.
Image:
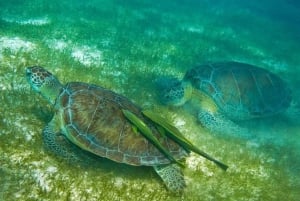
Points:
[(227, 92), (109, 125)]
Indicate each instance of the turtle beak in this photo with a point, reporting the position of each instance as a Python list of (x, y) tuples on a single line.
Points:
[(28, 72), (29, 77)]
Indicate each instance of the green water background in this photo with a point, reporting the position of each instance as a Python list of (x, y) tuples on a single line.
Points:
[(124, 46)]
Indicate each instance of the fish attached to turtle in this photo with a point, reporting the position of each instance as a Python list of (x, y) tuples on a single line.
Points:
[(109, 125), (227, 92)]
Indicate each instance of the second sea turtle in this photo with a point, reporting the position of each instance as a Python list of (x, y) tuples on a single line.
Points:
[(229, 91)]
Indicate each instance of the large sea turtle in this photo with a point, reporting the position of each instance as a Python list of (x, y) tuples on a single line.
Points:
[(109, 125), (226, 92)]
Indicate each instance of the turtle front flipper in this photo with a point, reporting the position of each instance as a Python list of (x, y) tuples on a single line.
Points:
[(172, 177), (57, 142), (213, 119), (216, 123)]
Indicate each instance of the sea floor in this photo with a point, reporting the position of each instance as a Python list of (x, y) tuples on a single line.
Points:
[(125, 46)]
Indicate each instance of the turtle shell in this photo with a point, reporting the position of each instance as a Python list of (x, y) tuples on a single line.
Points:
[(241, 91), (91, 117)]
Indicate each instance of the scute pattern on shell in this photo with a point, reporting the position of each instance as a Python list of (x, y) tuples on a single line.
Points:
[(92, 118), (241, 91)]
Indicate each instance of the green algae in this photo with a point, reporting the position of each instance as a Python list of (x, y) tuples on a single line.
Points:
[(138, 44)]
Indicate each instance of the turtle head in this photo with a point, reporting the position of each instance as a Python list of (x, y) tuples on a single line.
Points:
[(173, 92), (43, 82)]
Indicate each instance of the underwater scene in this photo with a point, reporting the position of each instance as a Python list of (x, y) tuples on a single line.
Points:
[(245, 114)]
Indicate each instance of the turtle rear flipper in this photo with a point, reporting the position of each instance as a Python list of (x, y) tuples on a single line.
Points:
[(172, 176)]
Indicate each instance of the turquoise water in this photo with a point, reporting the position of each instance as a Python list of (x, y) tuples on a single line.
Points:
[(125, 46)]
